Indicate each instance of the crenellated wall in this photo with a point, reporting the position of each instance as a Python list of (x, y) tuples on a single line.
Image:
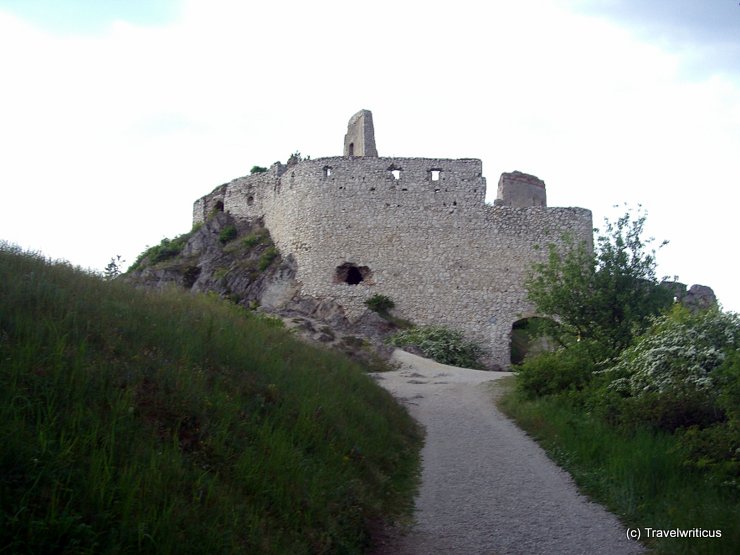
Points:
[(417, 228)]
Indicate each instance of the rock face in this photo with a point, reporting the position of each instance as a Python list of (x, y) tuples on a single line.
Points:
[(699, 297), (417, 230), (695, 298), (248, 271), (233, 270)]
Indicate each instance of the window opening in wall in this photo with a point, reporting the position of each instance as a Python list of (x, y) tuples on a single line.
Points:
[(396, 174), (351, 149), (250, 200), (327, 171), (219, 206), (435, 174), (351, 274)]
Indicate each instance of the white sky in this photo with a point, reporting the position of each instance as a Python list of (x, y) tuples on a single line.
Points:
[(116, 115)]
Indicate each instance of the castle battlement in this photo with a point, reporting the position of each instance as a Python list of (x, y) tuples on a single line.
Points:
[(415, 229)]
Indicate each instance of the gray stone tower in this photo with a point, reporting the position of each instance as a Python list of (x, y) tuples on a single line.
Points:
[(520, 190), (360, 137)]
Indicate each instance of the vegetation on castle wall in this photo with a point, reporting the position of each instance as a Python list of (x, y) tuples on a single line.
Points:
[(142, 421), (380, 304), (256, 238), (267, 257), (227, 234)]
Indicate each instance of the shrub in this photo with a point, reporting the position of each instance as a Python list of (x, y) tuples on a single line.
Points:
[(167, 248), (380, 304), (257, 169), (441, 344), (549, 373), (270, 254), (227, 234), (254, 239), (683, 372), (678, 354)]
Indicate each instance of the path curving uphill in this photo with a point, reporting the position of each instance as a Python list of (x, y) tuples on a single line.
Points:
[(486, 487)]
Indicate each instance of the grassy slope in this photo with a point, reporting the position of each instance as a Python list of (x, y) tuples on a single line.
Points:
[(638, 476), (135, 421)]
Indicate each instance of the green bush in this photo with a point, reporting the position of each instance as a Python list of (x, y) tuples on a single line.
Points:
[(441, 344), (227, 234), (679, 354), (550, 373), (256, 238), (167, 248), (257, 169), (380, 304), (270, 254), (669, 411)]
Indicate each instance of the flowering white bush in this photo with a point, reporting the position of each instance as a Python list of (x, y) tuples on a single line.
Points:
[(678, 354)]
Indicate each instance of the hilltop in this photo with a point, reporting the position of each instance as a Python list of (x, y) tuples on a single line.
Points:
[(136, 420)]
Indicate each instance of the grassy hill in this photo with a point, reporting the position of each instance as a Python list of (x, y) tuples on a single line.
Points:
[(133, 421)]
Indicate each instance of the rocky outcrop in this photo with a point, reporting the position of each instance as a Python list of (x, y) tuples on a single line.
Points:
[(237, 260), (245, 268), (697, 297)]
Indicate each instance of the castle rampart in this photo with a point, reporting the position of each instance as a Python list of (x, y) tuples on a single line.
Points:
[(414, 229)]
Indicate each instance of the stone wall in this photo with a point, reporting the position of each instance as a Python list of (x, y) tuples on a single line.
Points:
[(415, 229)]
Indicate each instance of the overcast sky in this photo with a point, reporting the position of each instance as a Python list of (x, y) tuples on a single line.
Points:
[(115, 115)]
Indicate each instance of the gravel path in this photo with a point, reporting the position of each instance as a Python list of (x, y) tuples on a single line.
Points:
[(486, 487)]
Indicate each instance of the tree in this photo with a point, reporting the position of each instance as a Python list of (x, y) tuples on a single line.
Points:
[(602, 297), (113, 269)]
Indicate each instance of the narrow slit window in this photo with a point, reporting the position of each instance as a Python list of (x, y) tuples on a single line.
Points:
[(435, 174), (327, 171)]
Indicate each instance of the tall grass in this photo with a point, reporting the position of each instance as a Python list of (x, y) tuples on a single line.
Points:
[(135, 421), (640, 476)]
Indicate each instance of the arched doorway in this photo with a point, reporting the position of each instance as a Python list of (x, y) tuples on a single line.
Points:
[(527, 338)]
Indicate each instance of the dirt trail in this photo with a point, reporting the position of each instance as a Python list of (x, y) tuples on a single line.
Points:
[(486, 487)]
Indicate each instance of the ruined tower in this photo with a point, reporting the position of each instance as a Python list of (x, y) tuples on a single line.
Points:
[(360, 137), (520, 190)]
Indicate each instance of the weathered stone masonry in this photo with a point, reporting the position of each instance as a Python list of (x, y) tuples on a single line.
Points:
[(415, 229)]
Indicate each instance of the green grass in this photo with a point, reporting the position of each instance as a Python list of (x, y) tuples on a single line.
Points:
[(640, 476), (266, 258), (136, 421), (166, 250)]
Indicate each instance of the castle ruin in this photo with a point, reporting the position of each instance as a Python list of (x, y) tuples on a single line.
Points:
[(415, 229)]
